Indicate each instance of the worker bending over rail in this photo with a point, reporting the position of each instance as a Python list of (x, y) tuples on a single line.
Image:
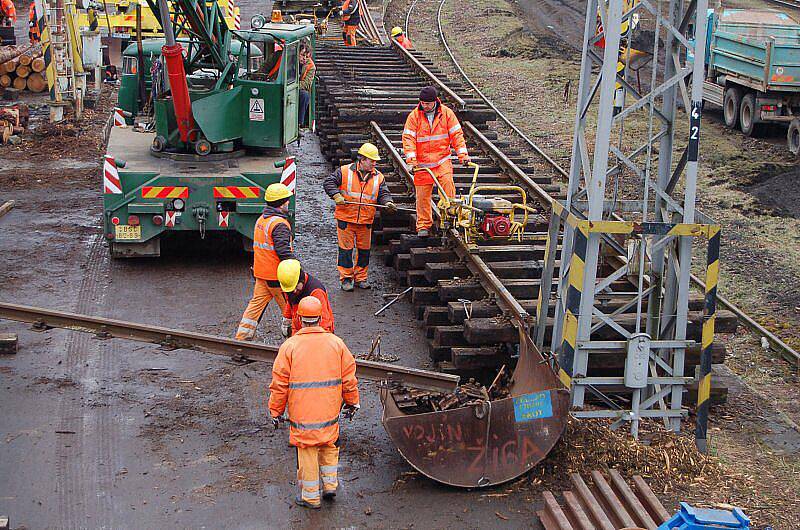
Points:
[(431, 130), (351, 16), (314, 375), (355, 188), (272, 243), (400, 37), (297, 285)]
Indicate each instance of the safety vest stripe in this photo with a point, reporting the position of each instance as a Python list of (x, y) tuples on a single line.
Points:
[(329, 480), (409, 132), (411, 154), (314, 426), (462, 150), (315, 384), (249, 321), (263, 246), (454, 128), (432, 138), (435, 164), (328, 469)]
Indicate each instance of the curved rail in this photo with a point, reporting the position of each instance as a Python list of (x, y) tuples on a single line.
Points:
[(786, 351), (408, 18)]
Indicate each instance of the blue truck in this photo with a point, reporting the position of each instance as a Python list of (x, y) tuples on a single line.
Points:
[(753, 70)]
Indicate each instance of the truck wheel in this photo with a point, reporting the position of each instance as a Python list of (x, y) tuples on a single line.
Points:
[(747, 115), (730, 107), (793, 137)]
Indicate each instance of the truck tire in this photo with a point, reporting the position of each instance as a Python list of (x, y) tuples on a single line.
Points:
[(730, 107), (793, 137), (747, 115)]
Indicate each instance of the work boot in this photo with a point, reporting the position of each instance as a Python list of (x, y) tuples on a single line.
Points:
[(305, 504), (423, 233), (329, 495), (363, 285), (347, 284)]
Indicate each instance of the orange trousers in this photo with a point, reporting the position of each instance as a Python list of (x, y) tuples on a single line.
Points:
[(262, 296), (423, 195), (351, 237), (314, 463), (349, 35)]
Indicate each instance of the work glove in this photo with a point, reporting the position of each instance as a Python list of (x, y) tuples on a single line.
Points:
[(350, 411), (276, 422), (286, 326), (338, 198), (412, 163), (465, 160), (392, 207)]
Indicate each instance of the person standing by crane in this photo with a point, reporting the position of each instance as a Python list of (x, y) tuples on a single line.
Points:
[(355, 188), (431, 130), (313, 376), (351, 16)]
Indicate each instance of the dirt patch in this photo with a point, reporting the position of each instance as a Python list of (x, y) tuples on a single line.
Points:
[(524, 44), (779, 192)]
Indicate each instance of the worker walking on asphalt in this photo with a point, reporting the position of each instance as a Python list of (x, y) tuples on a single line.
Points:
[(430, 131), (355, 187), (297, 285), (272, 243), (400, 37), (314, 375), (351, 16)]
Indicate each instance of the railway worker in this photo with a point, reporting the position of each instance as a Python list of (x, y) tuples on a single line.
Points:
[(296, 285), (308, 72), (272, 244), (400, 37), (33, 27), (354, 187), (313, 376), (430, 131), (8, 13), (351, 17)]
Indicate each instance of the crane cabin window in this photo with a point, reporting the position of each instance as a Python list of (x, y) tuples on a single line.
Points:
[(291, 63)]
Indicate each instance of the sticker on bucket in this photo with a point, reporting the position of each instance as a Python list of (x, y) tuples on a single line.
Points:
[(529, 407)]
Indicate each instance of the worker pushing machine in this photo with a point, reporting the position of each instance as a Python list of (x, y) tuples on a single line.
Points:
[(356, 188), (297, 285), (400, 37), (272, 243), (314, 375), (430, 131), (351, 16)]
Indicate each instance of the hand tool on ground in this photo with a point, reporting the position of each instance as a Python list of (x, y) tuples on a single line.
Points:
[(396, 298), (399, 209)]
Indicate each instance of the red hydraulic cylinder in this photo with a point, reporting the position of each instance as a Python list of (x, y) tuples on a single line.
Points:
[(173, 57)]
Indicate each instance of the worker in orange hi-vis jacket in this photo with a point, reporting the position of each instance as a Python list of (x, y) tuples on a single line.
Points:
[(401, 38), (8, 13), (431, 130), (314, 375), (351, 16)]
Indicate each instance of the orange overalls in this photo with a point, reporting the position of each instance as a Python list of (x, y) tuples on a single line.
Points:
[(405, 42), (314, 374), (351, 17), (427, 145)]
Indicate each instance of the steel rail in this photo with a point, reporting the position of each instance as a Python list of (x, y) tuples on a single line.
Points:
[(408, 18), (430, 75), (785, 351), (174, 338)]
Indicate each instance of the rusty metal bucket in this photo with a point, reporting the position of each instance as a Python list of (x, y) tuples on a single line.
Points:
[(490, 443)]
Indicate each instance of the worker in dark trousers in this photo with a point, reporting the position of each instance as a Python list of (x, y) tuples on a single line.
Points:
[(351, 16), (296, 285)]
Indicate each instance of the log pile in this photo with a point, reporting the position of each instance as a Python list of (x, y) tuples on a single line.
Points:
[(22, 68)]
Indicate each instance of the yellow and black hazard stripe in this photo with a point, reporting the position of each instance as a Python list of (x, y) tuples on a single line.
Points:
[(92, 16), (47, 53), (709, 315), (573, 304)]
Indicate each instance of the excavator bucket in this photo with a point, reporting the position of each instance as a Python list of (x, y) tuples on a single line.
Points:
[(489, 442)]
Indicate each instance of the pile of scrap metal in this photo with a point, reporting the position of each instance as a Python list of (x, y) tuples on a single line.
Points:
[(417, 401), (13, 121)]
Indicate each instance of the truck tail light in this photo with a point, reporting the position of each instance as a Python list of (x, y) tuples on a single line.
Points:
[(158, 220), (133, 220), (769, 108)]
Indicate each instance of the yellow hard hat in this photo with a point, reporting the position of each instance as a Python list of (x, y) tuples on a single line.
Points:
[(396, 31), (276, 192), (370, 151), (289, 274)]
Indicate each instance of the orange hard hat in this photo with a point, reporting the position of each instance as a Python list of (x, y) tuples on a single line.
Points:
[(309, 307)]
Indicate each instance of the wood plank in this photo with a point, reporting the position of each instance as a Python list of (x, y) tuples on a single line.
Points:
[(650, 501), (590, 503), (624, 492), (6, 207), (8, 343), (575, 512), (610, 502), (556, 515)]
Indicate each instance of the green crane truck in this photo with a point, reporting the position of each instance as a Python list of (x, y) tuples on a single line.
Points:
[(223, 114), (753, 70)]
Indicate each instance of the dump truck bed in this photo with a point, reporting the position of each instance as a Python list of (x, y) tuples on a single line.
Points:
[(758, 48)]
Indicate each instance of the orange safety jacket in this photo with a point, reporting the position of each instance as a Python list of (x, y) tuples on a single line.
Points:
[(311, 287), (405, 42), (355, 190), (309, 66), (350, 12), (265, 259), (313, 374), (273, 72), (428, 146), (7, 10), (33, 27)]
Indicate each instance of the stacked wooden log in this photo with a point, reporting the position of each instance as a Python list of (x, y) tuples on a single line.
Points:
[(22, 68)]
